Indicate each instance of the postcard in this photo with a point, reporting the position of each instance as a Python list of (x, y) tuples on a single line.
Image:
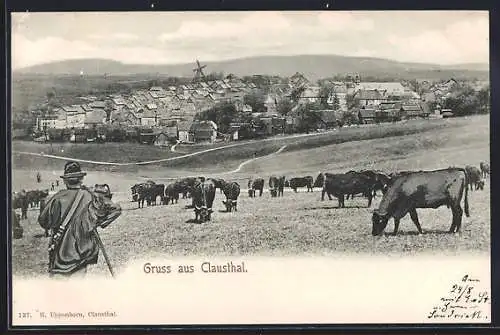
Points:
[(250, 168)]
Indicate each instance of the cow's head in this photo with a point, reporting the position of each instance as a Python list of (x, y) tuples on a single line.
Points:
[(480, 184), (251, 193), (379, 223), (287, 183), (273, 193)]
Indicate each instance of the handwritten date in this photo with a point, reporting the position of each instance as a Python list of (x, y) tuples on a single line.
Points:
[(463, 302)]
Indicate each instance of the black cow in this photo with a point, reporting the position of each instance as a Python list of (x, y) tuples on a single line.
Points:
[(203, 194), (485, 169), (378, 180), (297, 182), (17, 229), (155, 191), (273, 186), (140, 193), (423, 189), (339, 185), (20, 200), (281, 185), (172, 193), (34, 197), (254, 185), (231, 191), (219, 183), (475, 180)]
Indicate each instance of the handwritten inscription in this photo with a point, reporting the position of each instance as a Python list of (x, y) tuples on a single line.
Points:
[(463, 302)]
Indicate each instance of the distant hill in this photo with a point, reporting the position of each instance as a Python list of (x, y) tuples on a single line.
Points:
[(312, 66)]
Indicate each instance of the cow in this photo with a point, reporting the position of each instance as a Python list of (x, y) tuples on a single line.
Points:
[(475, 180), (231, 191), (203, 194), (254, 185), (155, 191), (281, 185), (273, 186), (297, 182), (140, 193), (17, 229), (423, 189), (34, 197), (378, 180), (172, 193), (348, 183), (20, 200), (219, 183), (485, 169)]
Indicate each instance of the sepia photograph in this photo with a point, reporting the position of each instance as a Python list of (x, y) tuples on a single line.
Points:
[(250, 167)]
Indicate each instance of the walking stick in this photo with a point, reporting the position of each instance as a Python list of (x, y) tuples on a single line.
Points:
[(101, 246)]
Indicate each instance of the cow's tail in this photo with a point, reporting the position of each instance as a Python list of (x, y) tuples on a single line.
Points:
[(466, 198)]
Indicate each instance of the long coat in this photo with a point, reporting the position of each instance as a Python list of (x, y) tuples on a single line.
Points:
[(77, 247)]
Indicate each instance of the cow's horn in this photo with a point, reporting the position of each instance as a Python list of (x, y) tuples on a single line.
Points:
[(197, 208)]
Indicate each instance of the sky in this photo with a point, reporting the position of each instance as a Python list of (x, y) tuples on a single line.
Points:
[(439, 37)]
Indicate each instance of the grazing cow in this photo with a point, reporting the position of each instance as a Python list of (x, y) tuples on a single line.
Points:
[(485, 169), (231, 191), (423, 189), (172, 193), (273, 186), (348, 183), (475, 180), (203, 194), (155, 191), (254, 185), (297, 182), (218, 182)]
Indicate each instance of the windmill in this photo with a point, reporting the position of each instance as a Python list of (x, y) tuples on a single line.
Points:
[(198, 72)]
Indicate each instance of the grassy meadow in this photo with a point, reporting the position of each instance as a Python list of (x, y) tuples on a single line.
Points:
[(298, 223)]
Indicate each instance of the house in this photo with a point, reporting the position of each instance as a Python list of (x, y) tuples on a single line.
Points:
[(391, 88), (388, 111), (340, 92), (326, 119), (204, 131), (75, 116), (183, 128), (148, 118), (94, 118), (162, 139), (310, 94), (132, 119), (369, 97), (413, 111), (366, 115)]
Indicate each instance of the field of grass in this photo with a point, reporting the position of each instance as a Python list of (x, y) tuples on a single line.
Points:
[(298, 223)]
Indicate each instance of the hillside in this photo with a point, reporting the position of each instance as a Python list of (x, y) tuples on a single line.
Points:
[(312, 66)]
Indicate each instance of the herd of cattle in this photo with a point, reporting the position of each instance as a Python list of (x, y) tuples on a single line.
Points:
[(402, 191)]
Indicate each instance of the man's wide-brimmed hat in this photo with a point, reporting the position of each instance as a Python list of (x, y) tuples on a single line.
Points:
[(73, 170)]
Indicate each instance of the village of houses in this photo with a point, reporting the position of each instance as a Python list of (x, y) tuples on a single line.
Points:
[(166, 115)]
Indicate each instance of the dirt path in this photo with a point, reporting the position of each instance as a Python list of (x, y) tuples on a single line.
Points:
[(238, 169)]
